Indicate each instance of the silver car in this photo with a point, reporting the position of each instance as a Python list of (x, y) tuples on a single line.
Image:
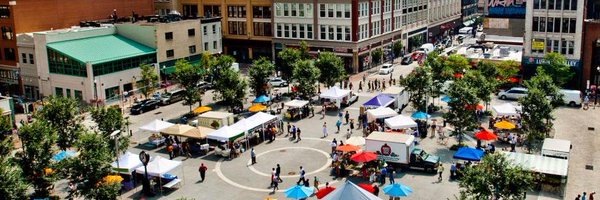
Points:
[(513, 93), (278, 82)]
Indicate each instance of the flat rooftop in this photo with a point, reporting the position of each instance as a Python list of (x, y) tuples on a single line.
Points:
[(515, 52)]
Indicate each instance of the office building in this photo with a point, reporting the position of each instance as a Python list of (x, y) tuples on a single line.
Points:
[(444, 18), (591, 45)]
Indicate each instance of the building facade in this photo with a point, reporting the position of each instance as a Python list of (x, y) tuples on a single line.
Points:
[(469, 11), (591, 45), (164, 7), (553, 26), (247, 27), (24, 17), (444, 18)]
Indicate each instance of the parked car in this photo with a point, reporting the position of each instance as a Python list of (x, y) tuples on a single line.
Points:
[(204, 85), (278, 82), (407, 60), (144, 106), (172, 97), (513, 93), (426, 48), (386, 69), (571, 97)]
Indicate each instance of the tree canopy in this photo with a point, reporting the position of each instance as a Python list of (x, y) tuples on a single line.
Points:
[(108, 120), (188, 77), (397, 48), (461, 114), (377, 56), (556, 66), (306, 75), (230, 87), (13, 183), (63, 114), (457, 63), (148, 81), (38, 138), (536, 113), (418, 84), (259, 75), (331, 67)]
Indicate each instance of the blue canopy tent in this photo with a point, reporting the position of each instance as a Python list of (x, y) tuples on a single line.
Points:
[(64, 155), (420, 115), (379, 101), (262, 99), (468, 153), (298, 192), (397, 190)]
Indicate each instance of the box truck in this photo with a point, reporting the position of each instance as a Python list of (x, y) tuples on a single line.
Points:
[(399, 150)]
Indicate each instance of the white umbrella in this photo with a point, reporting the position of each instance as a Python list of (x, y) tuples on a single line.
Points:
[(156, 126), (356, 140)]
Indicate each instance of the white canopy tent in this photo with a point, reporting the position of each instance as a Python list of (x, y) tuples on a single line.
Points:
[(256, 120), (506, 109), (350, 191), (225, 133), (156, 126), (400, 122), (128, 162), (296, 103), (538, 163), (356, 140), (159, 166), (261, 118), (381, 112), (335, 93), (556, 148)]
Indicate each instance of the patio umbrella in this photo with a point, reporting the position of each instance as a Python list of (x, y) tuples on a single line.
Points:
[(298, 192), (486, 135), (468, 153), (420, 115), (324, 192), (356, 140), (257, 108), (347, 148), (61, 155), (261, 99), (367, 187), (505, 125), (446, 99), (397, 190), (202, 109), (364, 156)]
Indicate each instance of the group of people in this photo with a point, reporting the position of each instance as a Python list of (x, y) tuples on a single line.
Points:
[(176, 148)]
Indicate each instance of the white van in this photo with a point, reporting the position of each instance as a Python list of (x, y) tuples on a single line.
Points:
[(571, 97), (426, 48)]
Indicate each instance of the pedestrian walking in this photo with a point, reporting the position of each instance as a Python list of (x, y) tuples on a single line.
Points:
[(289, 129), (391, 175), (273, 179), (306, 182), (302, 173), (253, 155), (333, 145), (592, 195), (583, 197), (364, 77), (360, 89), (440, 170), (350, 85), (298, 131), (351, 125), (383, 174), (325, 130), (376, 190), (202, 169), (312, 111), (278, 173), (275, 184), (316, 183), (347, 117), (338, 124)]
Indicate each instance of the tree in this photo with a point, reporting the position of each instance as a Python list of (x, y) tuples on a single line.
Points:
[(440, 73), (418, 84), (108, 120), (495, 177), (91, 167), (457, 63), (376, 56), (483, 85), (556, 66), (63, 114), (288, 56), (259, 75), (230, 87), (13, 184), (148, 81), (461, 114), (304, 51), (331, 67), (508, 68), (536, 113), (306, 74), (38, 138), (5, 132), (188, 76), (397, 48)]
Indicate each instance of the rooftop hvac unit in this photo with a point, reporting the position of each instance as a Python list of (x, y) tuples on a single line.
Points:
[(504, 51)]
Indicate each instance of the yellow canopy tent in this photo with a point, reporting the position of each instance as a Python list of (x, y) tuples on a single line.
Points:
[(505, 125), (257, 108), (202, 109)]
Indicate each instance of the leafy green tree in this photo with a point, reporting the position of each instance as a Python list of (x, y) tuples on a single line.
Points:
[(5, 132), (188, 76), (457, 63), (304, 51), (495, 178), (440, 73), (13, 183), (376, 56), (108, 120), (536, 113), (91, 166), (556, 66), (483, 86), (488, 69), (38, 138), (306, 74), (63, 114), (259, 75), (331, 67), (508, 68), (544, 82), (397, 48), (148, 81), (288, 56), (418, 84), (230, 86), (461, 114)]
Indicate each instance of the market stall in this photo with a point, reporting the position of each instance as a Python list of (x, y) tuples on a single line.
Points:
[(506, 109), (400, 122), (399, 94), (336, 96), (349, 190), (380, 113), (159, 168), (125, 165), (155, 126), (556, 148), (214, 119), (469, 154), (381, 100), (297, 109), (551, 172)]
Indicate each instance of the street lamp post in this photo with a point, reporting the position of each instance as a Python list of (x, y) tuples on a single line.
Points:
[(145, 158), (96, 91), (115, 135)]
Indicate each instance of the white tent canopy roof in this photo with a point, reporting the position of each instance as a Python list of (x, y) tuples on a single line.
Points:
[(506, 109), (400, 122), (156, 126), (127, 161), (296, 103), (538, 163), (381, 112), (350, 191), (159, 166), (335, 93), (224, 133), (215, 115)]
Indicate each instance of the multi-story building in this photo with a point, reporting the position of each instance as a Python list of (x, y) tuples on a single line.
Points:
[(164, 7), (444, 17), (469, 11), (350, 29), (247, 25), (504, 18), (39, 15), (591, 45), (553, 26)]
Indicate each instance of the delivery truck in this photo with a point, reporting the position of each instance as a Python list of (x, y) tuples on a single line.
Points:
[(399, 150)]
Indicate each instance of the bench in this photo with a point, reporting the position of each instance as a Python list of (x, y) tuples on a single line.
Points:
[(172, 183)]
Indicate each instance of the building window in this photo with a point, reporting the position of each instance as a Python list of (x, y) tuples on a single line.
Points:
[(323, 32), (170, 53), (263, 12), (262, 29), (347, 33), (567, 5), (24, 57), (301, 10), (570, 49), (322, 10), (536, 24), (78, 95), (339, 33), (286, 30), (278, 30), (565, 25), (214, 29), (301, 30), (236, 11), (330, 10), (543, 4), (550, 26), (277, 9), (294, 9), (212, 10), (191, 32), (309, 31), (558, 4), (294, 30), (4, 12), (190, 10), (192, 49), (206, 46), (7, 33), (31, 59), (542, 24), (573, 4), (563, 49), (68, 93), (555, 46), (331, 32), (286, 9), (572, 25), (9, 54), (58, 91), (557, 25), (550, 4), (339, 8), (205, 30), (215, 45), (237, 28), (347, 11), (60, 64), (168, 35)]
